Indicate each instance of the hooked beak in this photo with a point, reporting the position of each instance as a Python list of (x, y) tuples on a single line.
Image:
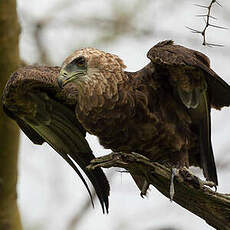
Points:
[(60, 81), (65, 77)]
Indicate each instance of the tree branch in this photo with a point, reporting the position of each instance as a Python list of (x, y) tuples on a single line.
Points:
[(190, 193), (207, 18)]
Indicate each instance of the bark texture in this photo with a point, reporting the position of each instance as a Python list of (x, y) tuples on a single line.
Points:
[(190, 193), (9, 132)]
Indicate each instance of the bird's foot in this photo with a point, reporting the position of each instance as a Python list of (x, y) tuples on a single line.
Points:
[(210, 184), (188, 176), (175, 172), (197, 182)]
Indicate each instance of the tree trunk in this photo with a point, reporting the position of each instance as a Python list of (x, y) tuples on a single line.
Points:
[(9, 132)]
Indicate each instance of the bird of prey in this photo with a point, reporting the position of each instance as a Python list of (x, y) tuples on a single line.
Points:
[(161, 111)]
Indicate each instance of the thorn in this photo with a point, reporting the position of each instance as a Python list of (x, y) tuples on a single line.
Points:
[(218, 3), (214, 45), (219, 27), (205, 15), (193, 30), (202, 6)]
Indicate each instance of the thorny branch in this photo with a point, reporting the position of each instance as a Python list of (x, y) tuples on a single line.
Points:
[(109, 29), (207, 18)]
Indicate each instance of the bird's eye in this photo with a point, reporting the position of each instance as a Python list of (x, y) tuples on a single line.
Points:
[(80, 61)]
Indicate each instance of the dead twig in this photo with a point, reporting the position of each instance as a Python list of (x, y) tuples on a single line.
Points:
[(207, 17)]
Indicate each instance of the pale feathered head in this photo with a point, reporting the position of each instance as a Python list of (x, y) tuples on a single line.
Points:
[(83, 64)]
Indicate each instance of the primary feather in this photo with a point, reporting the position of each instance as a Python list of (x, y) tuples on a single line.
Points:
[(46, 114)]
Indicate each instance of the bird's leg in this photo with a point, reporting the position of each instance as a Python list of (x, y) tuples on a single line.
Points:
[(175, 172), (182, 162)]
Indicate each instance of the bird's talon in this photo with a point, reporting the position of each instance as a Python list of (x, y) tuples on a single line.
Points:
[(209, 184)]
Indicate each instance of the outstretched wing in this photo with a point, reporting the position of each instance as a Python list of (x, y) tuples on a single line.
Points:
[(168, 54), (46, 114), (199, 87)]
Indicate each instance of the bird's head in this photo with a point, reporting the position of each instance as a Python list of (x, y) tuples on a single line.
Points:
[(84, 64)]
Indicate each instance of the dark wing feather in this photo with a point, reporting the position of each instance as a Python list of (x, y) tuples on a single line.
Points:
[(199, 88), (45, 114), (166, 53), (202, 123), (30, 133)]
